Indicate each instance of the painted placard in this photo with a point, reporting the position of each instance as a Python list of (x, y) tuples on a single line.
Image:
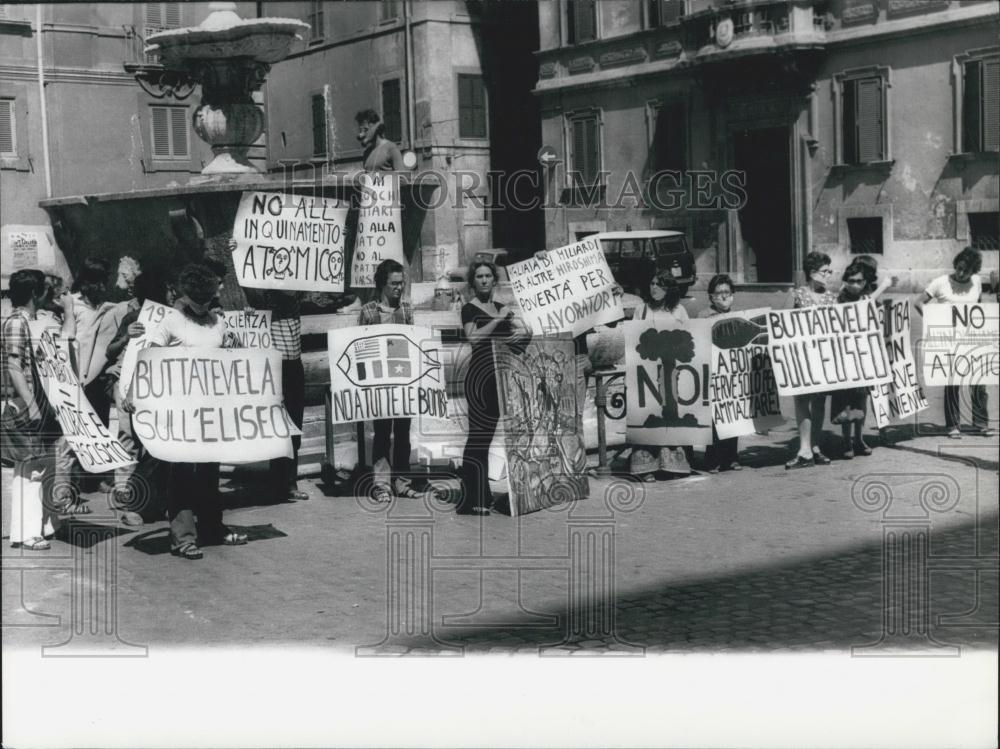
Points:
[(92, 443), (546, 459), (249, 329), (291, 242), (743, 391), (834, 347), (195, 405), (386, 372), (667, 382), (380, 227), (960, 344), (569, 291), (902, 396), (151, 315)]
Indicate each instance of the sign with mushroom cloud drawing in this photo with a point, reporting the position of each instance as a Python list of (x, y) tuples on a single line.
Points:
[(386, 372)]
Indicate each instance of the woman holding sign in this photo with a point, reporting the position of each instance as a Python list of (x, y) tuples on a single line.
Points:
[(193, 487), (483, 321), (809, 409), (963, 286)]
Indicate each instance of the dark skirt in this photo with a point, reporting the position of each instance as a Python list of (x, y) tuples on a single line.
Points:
[(848, 406)]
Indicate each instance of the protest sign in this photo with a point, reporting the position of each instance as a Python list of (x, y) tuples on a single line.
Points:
[(667, 382), (150, 315), (546, 459), (380, 228), (292, 242), (835, 347), (195, 405), (569, 291), (94, 446), (249, 329), (386, 372), (960, 344), (901, 396), (743, 391)]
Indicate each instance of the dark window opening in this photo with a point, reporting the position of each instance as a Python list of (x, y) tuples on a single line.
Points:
[(865, 235), (581, 20), (984, 230), (471, 107), (319, 124), (670, 139), (586, 156), (665, 12), (392, 110), (981, 106), (863, 121)]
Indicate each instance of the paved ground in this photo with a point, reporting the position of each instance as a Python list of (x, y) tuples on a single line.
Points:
[(759, 560)]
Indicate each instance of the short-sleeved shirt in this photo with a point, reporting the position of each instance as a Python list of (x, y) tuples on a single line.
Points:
[(179, 330), (376, 313), (804, 296), (677, 315), (946, 290), (15, 349)]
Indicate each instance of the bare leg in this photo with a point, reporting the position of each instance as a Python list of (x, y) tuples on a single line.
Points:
[(803, 418)]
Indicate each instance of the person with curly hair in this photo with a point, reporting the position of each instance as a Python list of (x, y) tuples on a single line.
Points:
[(962, 286), (381, 154)]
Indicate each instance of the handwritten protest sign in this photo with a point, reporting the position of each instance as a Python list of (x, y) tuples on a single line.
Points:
[(667, 382), (386, 372), (380, 228), (817, 349), (94, 446), (569, 291), (902, 396), (249, 329), (293, 242), (197, 405), (961, 344), (546, 459), (744, 394), (150, 315)]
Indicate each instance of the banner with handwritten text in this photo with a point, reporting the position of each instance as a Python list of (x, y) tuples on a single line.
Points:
[(197, 405), (249, 329), (902, 396), (380, 227), (961, 344), (92, 443), (151, 315), (293, 242), (835, 347)]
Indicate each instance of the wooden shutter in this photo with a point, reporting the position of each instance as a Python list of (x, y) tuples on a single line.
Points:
[(869, 120), (593, 150), (971, 101), (7, 127), (392, 114), (586, 150), (579, 150), (991, 105), (582, 20), (172, 15), (154, 15), (848, 123), (160, 127), (471, 107), (179, 132), (319, 125)]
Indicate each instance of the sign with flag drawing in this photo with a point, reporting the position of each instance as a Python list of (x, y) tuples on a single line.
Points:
[(386, 372)]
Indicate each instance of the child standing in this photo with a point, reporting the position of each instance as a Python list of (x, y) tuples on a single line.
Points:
[(721, 454), (849, 408)]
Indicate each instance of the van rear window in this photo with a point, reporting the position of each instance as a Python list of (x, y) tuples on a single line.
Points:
[(669, 245)]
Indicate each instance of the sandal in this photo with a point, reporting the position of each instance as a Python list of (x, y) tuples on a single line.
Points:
[(234, 538), (408, 493), (32, 544), (78, 508), (188, 550), (380, 494)]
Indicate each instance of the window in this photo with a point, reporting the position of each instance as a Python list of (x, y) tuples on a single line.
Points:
[(665, 12), (981, 105), (863, 121), (169, 127), (865, 235), (585, 149), (581, 20), (984, 230), (388, 10), (319, 124), (392, 110), (670, 139), (471, 107), (744, 22), (157, 17), (315, 20), (8, 129)]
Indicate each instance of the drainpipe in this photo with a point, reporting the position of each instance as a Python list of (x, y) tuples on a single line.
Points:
[(408, 53), (41, 96)]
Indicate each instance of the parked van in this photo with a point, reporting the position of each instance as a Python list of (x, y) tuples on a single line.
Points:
[(634, 256)]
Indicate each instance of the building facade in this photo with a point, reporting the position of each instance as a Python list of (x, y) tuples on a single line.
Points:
[(764, 129)]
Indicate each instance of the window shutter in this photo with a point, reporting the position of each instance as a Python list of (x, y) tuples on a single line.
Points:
[(971, 101), (388, 10), (593, 154), (580, 150), (172, 15), (319, 125), (991, 105), (154, 15), (586, 21), (392, 110), (160, 126), (869, 120), (848, 125), (464, 106), (471, 107), (671, 11), (179, 131), (7, 127)]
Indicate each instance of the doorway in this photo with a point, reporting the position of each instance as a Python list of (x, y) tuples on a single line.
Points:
[(766, 219)]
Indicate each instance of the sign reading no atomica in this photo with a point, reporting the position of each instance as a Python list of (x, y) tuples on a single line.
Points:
[(292, 242), (211, 405), (94, 446), (816, 349), (386, 372), (961, 344), (380, 228)]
